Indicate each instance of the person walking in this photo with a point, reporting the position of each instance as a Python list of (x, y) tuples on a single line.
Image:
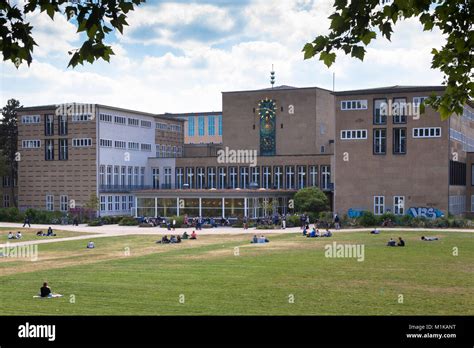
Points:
[(27, 221)]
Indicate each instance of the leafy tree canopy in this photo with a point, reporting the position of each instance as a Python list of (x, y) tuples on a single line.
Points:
[(96, 18), (310, 200), (354, 24)]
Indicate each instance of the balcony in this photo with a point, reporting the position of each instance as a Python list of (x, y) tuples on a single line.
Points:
[(123, 188)]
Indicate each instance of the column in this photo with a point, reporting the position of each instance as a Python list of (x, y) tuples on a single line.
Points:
[(245, 207), (156, 207), (177, 206), (223, 207), (200, 206), (136, 206)]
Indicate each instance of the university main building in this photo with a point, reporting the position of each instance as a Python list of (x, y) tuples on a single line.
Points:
[(275, 142)]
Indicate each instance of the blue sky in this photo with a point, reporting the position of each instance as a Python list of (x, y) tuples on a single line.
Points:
[(178, 56)]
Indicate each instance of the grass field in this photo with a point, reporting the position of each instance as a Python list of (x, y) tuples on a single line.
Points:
[(131, 275), (30, 234)]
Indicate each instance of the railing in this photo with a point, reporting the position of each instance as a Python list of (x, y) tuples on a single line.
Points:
[(123, 188)]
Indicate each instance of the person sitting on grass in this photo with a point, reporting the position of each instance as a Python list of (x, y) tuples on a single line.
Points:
[(18, 235), (178, 239), (391, 242), (429, 239), (90, 245), (173, 239), (254, 239), (185, 235), (164, 240), (50, 232), (327, 233), (305, 232), (376, 231), (193, 235), (10, 235), (39, 234), (312, 234), (45, 290), (401, 242)]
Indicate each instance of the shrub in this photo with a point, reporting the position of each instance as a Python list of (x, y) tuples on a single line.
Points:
[(179, 221), (310, 199), (326, 218), (238, 224), (11, 215), (368, 219), (111, 220), (293, 221), (389, 216), (95, 222), (128, 221)]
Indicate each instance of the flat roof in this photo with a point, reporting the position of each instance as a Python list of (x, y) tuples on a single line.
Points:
[(179, 114), (276, 89), (390, 89)]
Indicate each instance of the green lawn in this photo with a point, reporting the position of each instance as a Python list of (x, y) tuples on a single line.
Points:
[(30, 234), (260, 281)]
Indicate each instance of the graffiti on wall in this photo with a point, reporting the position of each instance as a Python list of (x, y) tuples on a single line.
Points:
[(429, 213)]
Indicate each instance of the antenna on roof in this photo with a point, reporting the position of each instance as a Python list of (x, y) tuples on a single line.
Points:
[(272, 77), (333, 81)]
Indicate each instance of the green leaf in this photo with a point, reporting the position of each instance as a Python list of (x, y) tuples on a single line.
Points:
[(309, 51), (328, 58), (368, 36), (358, 52)]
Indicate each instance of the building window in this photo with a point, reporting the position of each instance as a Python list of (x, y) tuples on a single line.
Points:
[(472, 174), (457, 173), (380, 111), (130, 176), (379, 205), (131, 203), (290, 177), (244, 177), (48, 125), (219, 120), (427, 132), (325, 177), (102, 175), (135, 122), (6, 181), (399, 141), (179, 178), (267, 177), (399, 205), (118, 144), (136, 176), (301, 177), (117, 203), (201, 126), (191, 126), (63, 150), (232, 177), (116, 175), (124, 203), (30, 119), (145, 124), (110, 203), (355, 134), (472, 203), (120, 120), (201, 178), (133, 146), (63, 200), (155, 178), (49, 202), (102, 203), (399, 110), (105, 118), (222, 178), (211, 129), (81, 118), (313, 176), (190, 177), (6, 200), (49, 150), (105, 143), (255, 175), (457, 204), (380, 141), (123, 176), (109, 176), (211, 177), (62, 120), (277, 181), (31, 144), (418, 100), (163, 151), (145, 147), (167, 177), (82, 142), (354, 105), (158, 150)]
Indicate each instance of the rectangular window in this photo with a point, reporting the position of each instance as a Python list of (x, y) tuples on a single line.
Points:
[(399, 110), (267, 177), (155, 178), (145, 147), (379, 205), (81, 118), (158, 150), (109, 176), (219, 120), (130, 176), (102, 175), (145, 124), (133, 146), (244, 177), (354, 134), (116, 175), (136, 176), (162, 126), (63, 206), (354, 105), (6, 181), (399, 205), (130, 202), (179, 178), (82, 142), (105, 143), (135, 122), (301, 177), (222, 182), (49, 150), (313, 176), (190, 177), (123, 176), (399, 141), (191, 126), (142, 176), (418, 100), (6, 200), (63, 150), (62, 121), (211, 120), (457, 173), (49, 202), (118, 144), (290, 177), (105, 118), (325, 177), (117, 203), (48, 125), (255, 176), (124, 203), (380, 141), (31, 144), (211, 178), (110, 203), (277, 177), (233, 177), (120, 120), (30, 119), (201, 125), (102, 203), (380, 111), (167, 177), (427, 132)]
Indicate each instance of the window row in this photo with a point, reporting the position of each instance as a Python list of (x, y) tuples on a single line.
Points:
[(201, 120), (121, 176), (268, 177), (49, 125), (466, 141), (168, 151), (168, 127), (398, 205), (116, 203), (63, 203), (131, 145), (399, 141), (354, 105), (354, 134)]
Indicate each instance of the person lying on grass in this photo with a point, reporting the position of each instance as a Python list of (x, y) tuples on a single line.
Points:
[(429, 239), (376, 231), (327, 233)]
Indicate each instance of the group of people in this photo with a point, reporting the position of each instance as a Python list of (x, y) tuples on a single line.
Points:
[(258, 240), (177, 239), (392, 243), (315, 233), (50, 233), (18, 235)]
